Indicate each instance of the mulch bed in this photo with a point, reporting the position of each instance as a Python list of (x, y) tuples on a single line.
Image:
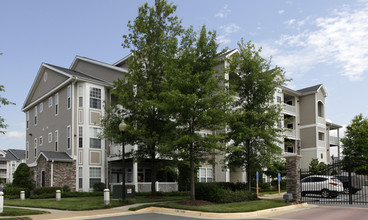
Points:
[(196, 203)]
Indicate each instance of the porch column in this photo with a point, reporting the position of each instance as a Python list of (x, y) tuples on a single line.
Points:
[(135, 172)]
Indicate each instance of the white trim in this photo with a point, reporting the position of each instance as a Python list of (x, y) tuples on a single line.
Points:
[(68, 136), (319, 125), (56, 140), (69, 97), (57, 101), (122, 60), (90, 157), (52, 173), (75, 61), (313, 149)]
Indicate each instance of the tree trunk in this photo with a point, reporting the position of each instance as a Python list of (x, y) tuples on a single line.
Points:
[(192, 185), (153, 174), (248, 166)]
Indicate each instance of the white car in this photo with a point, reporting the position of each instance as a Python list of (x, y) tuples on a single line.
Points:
[(326, 186)]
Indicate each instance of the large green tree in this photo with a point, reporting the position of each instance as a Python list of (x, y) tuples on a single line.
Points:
[(23, 177), (355, 143), (197, 99), (3, 101), (253, 131), (153, 42)]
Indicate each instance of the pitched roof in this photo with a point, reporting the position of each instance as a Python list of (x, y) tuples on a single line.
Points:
[(310, 89), (55, 156), (19, 154), (225, 54), (75, 73)]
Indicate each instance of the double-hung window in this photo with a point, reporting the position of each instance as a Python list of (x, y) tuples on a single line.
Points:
[(56, 103), (95, 98), (27, 118), (94, 140), (35, 147), (56, 140), (69, 96), (94, 176), (205, 174), (80, 137), (69, 134), (35, 115)]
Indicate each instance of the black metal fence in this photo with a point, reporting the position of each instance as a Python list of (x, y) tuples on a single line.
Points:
[(343, 182)]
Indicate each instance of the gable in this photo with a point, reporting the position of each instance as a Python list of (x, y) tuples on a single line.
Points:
[(94, 69)]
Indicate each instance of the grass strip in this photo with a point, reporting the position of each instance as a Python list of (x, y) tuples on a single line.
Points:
[(85, 203), (249, 206), (19, 212)]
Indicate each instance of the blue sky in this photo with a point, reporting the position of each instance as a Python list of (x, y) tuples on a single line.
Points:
[(317, 42)]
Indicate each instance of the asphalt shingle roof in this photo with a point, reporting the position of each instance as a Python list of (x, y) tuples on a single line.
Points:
[(19, 154), (310, 89), (57, 156)]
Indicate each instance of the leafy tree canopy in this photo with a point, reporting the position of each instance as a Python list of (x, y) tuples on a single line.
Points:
[(23, 177), (3, 101)]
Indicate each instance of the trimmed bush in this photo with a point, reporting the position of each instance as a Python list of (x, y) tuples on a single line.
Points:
[(45, 190), (14, 192), (209, 191), (67, 195), (265, 186), (174, 193), (98, 187), (237, 196), (66, 188)]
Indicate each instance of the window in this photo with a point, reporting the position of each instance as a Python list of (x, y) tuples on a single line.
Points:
[(41, 141), (50, 102), (35, 147), (56, 103), (321, 155), (27, 119), (80, 177), (205, 174), (27, 150), (69, 96), (35, 115), (49, 137), (80, 96), (95, 98), (69, 134), (321, 111), (94, 140), (41, 107), (321, 136), (278, 99), (80, 137), (56, 140), (94, 176)]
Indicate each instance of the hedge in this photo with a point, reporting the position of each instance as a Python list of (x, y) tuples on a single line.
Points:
[(14, 192), (46, 190), (67, 194)]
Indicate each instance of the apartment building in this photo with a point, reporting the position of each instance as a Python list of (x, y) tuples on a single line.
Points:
[(9, 162), (63, 110)]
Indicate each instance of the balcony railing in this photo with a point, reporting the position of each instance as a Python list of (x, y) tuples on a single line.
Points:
[(290, 109), (321, 120), (160, 186), (290, 133), (334, 140)]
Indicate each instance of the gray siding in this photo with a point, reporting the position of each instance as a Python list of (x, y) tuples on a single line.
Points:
[(308, 137), (53, 80), (307, 110), (97, 71)]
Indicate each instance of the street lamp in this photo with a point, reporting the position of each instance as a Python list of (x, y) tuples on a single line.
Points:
[(122, 128)]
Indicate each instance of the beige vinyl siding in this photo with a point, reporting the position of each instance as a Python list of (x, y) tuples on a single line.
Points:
[(307, 109), (98, 71), (308, 137)]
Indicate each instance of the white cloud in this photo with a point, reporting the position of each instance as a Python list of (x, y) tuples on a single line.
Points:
[(15, 134), (223, 12), (222, 39), (281, 12), (231, 28), (339, 39)]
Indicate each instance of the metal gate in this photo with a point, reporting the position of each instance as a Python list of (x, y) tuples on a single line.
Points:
[(342, 182)]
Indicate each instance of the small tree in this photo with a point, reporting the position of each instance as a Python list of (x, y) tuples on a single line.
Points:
[(317, 168), (253, 131), (23, 177), (275, 168), (355, 144)]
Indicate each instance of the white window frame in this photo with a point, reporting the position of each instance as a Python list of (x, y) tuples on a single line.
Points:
[(49, 137), (206, 176), (27, 119), (93, 174), (35, 115), (41, 141), (35, 147), (69, 97), (41, 107), (56, 140), (50, 102), (80, 96), (68, 137), (93, 95), (80, 137), (27, 150), (57, 104), (93, 134)]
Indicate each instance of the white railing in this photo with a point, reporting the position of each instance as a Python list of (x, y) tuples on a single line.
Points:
[(289, 109), (321, 120), (290, 133), (321, 143), (334, 140), (160, 186), (115, 150)]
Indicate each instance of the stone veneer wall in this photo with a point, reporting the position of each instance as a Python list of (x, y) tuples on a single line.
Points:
[(293, 177), (64, 173)]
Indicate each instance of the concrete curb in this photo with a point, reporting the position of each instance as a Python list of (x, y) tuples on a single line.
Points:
[(212, 215)]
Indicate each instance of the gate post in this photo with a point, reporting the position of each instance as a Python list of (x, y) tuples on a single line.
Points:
[(293, 177)]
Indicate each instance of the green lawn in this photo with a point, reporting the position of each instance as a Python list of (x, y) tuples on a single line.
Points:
[(249, 206), (84, 203), (19, 212)]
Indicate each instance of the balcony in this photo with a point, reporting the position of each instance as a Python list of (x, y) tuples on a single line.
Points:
[(289, 109), (334, 140), (290, 133)]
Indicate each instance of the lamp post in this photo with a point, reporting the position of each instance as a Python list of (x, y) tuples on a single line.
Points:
[(122, 127)]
